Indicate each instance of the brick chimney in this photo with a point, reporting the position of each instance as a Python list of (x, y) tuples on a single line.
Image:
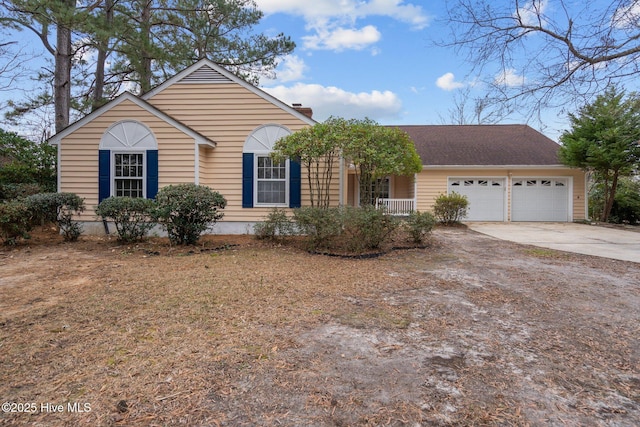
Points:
[(303, 110)]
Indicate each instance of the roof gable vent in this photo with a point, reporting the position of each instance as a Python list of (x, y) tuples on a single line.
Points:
[(205, 74)]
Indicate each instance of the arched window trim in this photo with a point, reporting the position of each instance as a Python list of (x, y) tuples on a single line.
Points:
[(128, 145), (255, 183)]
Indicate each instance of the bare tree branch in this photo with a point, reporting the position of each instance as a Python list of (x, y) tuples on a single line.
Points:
[(543, 54)]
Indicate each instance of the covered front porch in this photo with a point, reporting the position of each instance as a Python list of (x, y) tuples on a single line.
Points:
[(398, 194)]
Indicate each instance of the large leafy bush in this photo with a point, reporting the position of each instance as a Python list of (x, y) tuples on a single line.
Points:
[(451, 209), (15, 221), (419, 224), (277, 225), (58, 208), (320, 226), (25, 162), (626, 205), (345, 229), (132, 216), (366, 227), (185, 211)]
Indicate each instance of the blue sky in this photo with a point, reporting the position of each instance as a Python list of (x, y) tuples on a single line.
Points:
[(375, 58), (370, 58)]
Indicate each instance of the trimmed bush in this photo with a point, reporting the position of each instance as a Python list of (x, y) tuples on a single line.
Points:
[(15, 221), (276, 225), (132, 216), (58, 208), (419, 224), (367, 227), (185, 211), (320, 225), (18, 191), (451, 209)]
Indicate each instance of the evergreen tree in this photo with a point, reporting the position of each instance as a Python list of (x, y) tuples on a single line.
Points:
[(605, 140)]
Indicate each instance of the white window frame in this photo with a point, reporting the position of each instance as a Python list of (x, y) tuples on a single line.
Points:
[(143, 178), (285, 203), (391, 188)]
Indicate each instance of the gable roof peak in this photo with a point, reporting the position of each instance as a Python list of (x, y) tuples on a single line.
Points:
[(207, 71)]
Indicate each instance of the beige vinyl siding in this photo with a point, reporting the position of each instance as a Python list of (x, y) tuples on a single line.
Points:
[(79, 153), (228, 113), (433, 182)]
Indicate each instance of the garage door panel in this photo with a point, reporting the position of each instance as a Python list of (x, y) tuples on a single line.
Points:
[(540, 199), (486, 197)]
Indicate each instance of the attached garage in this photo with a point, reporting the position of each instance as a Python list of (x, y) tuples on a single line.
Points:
[(507, 172), (540, 199), (486, 197)]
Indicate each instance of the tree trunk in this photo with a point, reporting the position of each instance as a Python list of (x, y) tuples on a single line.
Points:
[(145, 54), (62, 78), (102, 46), (610, 197)]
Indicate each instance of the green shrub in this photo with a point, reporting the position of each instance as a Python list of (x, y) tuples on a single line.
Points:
[(10, 191), (320, 225), (15, 221), (354, 229), (58, 208), (366, 227), (27, 162), (276, 225), (626, 205), (132, 216), (450, 209), (185, 211), (419, 224)]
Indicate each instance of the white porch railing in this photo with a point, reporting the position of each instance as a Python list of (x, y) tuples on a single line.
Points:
[(396, 206)]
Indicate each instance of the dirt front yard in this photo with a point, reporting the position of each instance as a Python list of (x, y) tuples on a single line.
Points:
[(469, 331)]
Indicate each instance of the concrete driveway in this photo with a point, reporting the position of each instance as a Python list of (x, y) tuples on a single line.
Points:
[(570, 237)]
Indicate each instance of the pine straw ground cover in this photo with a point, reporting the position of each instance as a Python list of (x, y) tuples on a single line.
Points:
[(468, 331)]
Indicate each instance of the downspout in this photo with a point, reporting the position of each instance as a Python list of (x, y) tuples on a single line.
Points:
[(196, 171), (58, 155), (341, 182)]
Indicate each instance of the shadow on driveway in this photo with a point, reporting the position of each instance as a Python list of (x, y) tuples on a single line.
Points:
[(570, 237)]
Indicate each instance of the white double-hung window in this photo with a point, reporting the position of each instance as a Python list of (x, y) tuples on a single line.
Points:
[(271, 181), (128, 174)]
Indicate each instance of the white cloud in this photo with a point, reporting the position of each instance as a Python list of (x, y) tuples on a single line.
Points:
[(532, 13), (510, 78), (448, 82), (348, 9), (332, 23), (342, 38), (626, 17), (291, 68), (329, 101)]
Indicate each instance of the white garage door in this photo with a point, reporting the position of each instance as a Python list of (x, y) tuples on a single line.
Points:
[(486, 197), (540, 199)]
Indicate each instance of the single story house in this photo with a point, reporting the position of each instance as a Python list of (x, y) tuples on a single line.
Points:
[(207, 126)]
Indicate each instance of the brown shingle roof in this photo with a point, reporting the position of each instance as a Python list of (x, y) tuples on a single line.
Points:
[(482, 145)]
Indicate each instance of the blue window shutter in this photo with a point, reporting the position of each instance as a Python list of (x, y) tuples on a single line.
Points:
[(104, 174), (152, 173), (294, 184), (247, 180)]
